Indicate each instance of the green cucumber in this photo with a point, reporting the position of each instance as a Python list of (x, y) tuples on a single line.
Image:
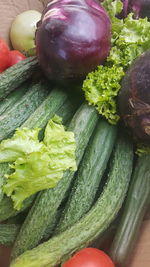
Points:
[(136, 204), (18, 219), (57, 102), (45, 207), (94, 223), (14, 117), (4, 168), (7, 210), (46, 110), (12, 98), (8, 233), (89, 175), (16, 75)]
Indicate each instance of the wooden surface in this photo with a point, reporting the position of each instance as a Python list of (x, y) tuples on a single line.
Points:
[(8, 10)]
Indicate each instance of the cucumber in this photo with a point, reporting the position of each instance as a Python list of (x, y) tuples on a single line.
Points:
[(89, 175), (18, 219), (16, 75), (46, 110), (45, 207), (136, 204), (14, 117), (57, 102), (8, 233), (7, 210), (94, 223), (4, 168), (12, 98)]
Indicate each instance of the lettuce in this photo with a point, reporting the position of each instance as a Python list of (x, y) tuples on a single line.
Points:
[(113, 7), (101, 88), (37, 165), (142, 149), (130, 38)]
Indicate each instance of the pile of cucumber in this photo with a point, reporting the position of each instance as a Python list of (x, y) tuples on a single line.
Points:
[(110, 182)]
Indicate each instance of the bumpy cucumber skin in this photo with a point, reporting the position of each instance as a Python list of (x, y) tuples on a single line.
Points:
[(44, 209), (7, 210), (12, 98), (8, 233), (55, 101), (89, 175), (94, 222), (4, 168), (137, 202), (16, 75), (16, 116), (47, 110)]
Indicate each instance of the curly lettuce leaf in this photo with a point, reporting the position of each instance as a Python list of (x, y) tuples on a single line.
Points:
[(38, 165), (101, 88), (130, 38), (132, 41), (23, 142), (61, 145), (113, 8)]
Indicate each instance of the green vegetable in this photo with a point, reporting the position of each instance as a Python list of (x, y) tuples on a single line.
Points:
[(8, 233), (89, 175), (4, 168), (94, 222), (56, 101), (16, 75), (101, 87), (13, 98), (142, 149), (113, 7), (137, 202), (45, 208), (37, 165), (7, 209), (130, 38), (23, 108)]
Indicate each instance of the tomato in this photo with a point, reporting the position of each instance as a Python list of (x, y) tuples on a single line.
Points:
[(4, 55), (89, 257), (15, 57)]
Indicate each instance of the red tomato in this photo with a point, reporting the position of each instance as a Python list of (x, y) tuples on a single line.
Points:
[(15, 57), (4, 55), (89, 257)]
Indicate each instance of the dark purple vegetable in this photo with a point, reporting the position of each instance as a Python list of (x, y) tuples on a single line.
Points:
[(125, 10), (141, 8), (72, 38), (134, 99)]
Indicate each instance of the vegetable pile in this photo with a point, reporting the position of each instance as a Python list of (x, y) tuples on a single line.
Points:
[(68, 168), (130, 38)]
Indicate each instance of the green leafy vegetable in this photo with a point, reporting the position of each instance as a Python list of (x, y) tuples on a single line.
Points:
[(37, 165), (22, 143), (142, 150), (101, 87), (130, 38), (113, 7)]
